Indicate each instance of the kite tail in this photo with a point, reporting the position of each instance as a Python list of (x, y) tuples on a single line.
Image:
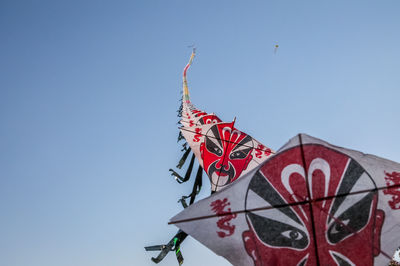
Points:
[(183, 159), (196, 189), (173, 245), (181, 179), (185, 96)]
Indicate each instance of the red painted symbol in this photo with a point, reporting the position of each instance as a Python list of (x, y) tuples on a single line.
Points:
[(262, 149), (223, 223), (197, 136), (393, 179)]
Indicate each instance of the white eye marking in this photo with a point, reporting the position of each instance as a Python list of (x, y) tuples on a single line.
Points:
[(336, 255), (253, 254)]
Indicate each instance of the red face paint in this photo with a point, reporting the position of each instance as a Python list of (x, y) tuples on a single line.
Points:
[(226, 152), (346, 228)]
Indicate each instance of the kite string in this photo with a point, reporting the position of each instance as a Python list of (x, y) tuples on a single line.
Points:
[(225, 152), (282, 205), (351, 230), (309, 197), (337, 220), (229, 141)]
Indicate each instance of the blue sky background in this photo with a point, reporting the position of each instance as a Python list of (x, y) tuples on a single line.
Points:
[(88, 99)]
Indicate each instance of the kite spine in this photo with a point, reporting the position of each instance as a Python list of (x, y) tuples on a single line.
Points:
[(186, 97)]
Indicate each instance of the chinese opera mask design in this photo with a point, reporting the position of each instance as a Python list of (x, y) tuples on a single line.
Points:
[(225, 152), (346, 228)]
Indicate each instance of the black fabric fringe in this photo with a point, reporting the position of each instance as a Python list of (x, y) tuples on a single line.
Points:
[(198, 182), (183, 159), (178, 178), (184, 148), (179, 111), (180, 136)]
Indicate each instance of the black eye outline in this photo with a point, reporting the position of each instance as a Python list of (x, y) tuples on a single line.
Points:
[(213, 148), (351, 221), (240, 154), (278, 234), (292, 234)]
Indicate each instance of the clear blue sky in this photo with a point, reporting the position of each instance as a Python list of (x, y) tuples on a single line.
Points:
[(89, 90)]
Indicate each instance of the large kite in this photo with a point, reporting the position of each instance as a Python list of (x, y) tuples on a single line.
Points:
[(224, 152), (311, 203)]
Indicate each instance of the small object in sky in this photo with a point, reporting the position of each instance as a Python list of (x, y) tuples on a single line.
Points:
[(276, 46)]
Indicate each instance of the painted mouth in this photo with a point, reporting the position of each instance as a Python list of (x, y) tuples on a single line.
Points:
[(219, 181), (220, 176)]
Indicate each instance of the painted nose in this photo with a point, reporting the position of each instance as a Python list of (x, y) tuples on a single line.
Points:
[(222, 162)]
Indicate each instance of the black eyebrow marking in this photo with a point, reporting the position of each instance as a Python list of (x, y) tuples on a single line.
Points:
[(243, 142), (264, 189), (215, 132), (353, 172)]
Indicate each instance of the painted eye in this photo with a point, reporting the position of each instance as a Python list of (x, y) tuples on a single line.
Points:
[(212, 147), (217, 150), (339, 227), (241, 154), (278, 234), (292, 235), (237, 154), (351, 220)]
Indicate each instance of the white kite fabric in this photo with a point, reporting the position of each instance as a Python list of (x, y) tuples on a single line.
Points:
[(224, 152), (396, 258), (311, 203)]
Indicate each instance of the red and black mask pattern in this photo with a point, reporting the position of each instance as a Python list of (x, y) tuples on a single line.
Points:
[(346, 228), (225, 152)]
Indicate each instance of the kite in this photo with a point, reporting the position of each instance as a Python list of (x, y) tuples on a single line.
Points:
[(223, 151), (311, 203), (276, 46), (396, 258)]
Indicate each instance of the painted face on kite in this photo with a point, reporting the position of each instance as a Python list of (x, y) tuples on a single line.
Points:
[(346, 228), (225, 152)]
